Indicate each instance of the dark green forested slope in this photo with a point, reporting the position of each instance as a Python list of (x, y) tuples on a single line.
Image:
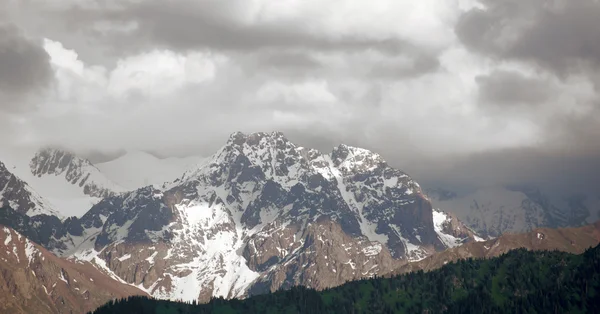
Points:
[(517, 282)]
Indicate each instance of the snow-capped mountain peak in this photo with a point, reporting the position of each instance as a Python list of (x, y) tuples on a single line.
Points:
[(260, 214), (75, 170), (69, 183), (354, 159)]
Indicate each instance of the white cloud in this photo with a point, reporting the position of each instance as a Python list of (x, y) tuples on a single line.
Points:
[(426, 22), (76, 82), (159, 73), (153, 74)]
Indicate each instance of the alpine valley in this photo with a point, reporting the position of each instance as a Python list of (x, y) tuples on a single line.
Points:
[(259, 215)]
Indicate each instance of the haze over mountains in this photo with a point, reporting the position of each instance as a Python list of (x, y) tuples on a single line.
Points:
[(492, 211), (259, 215), (259, 202), (440, 129)]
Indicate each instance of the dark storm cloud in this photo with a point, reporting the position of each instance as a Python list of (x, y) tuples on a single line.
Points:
[(559, 35), (556, 37), (24, 67), (512, 88), (558, 171), (184, 25)]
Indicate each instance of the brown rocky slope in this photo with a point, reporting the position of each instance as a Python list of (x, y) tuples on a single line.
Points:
[(571, 240), (33, 280)]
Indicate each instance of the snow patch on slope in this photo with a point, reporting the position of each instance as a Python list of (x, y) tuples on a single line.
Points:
[(216, 238), (8, 236), (439, 219), (366, 227), (30, 250)]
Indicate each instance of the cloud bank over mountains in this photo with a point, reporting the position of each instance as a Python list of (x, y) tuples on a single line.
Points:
[(458, 91)]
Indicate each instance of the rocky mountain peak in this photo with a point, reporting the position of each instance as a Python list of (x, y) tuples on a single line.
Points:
[(76, 170), (54, 161), (261, 214), (256, 138), (354, 159)]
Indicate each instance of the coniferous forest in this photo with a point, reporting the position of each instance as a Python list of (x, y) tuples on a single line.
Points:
[(517, 282)]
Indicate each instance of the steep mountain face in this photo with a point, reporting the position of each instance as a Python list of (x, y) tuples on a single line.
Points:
[(451, 231), (41, 229), (75, 170), (19, 195), (68, 184), (259, 215), (571, 240), (497, 210), (32, 280)]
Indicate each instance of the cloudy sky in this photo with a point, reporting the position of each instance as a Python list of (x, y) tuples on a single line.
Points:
[(460, 91)]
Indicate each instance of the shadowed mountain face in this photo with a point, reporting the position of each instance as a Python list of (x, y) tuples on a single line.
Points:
[(259, 215), (33, 280)]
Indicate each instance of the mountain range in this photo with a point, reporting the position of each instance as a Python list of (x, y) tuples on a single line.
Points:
[(259, 215)]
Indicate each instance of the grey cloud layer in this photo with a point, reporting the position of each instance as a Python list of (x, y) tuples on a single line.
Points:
[(559, 35), (185, 24), (512, 88), (24, 67), (558, 38), (385, 93)]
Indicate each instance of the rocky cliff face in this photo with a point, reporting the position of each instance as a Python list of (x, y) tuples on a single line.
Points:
[(20, 196), (32, 280), (259, 215), (75, 170), (451, 231)]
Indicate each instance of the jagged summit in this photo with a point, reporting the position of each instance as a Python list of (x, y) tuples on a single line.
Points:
[(354, 159), (260, 214), (51, 160), (75, 170), (240, 137), (275, 154)]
